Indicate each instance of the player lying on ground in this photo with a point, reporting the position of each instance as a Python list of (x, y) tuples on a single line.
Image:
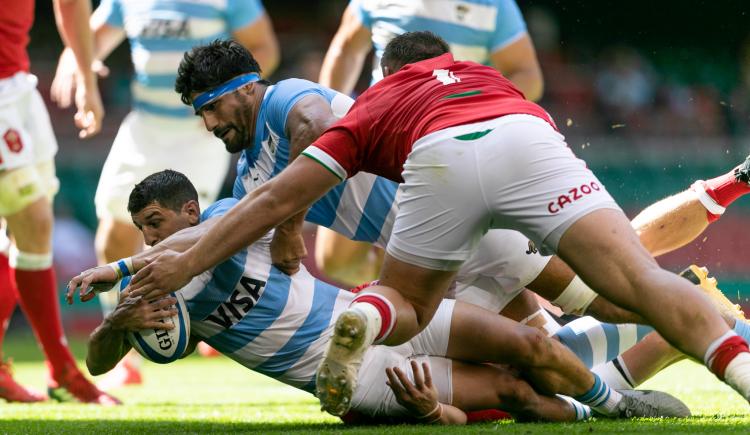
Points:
[(280, 326), (451, 107)]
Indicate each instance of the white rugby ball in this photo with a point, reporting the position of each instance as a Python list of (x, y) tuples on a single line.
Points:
[(162, 346)]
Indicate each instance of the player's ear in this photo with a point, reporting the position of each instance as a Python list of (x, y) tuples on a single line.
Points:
[(385, 70), (193, 211)]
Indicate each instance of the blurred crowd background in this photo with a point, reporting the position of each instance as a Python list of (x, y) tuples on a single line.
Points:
[(654, 95)]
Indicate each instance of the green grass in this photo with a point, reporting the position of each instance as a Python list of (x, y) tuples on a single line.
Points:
[(218, 395)]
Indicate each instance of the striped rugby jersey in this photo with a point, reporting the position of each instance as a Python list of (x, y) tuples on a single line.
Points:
[(362, 208), (474, 29), (160, 31), (267, 321)]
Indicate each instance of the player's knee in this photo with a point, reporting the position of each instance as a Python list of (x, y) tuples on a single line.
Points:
[(533, 347)]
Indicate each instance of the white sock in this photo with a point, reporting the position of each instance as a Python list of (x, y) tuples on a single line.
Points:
[(737, 374), (612, 376), (601, 398), (374, 321), (583, 412)]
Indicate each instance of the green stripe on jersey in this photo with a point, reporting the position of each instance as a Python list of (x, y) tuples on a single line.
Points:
[(463, 94), (323, 165), (474, 136)]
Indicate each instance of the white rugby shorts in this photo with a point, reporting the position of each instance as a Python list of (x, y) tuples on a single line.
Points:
[(146, 144), (503, 264), (513, 172), (27, 145), (374, 398)]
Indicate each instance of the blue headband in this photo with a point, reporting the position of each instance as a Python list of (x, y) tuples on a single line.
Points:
[(232, 85)]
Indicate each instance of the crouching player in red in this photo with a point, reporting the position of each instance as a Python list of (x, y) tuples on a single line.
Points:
[(282, 325)]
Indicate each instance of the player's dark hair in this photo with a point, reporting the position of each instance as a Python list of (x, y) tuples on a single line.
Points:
[(412, 47), (169, 188), (206, 66)]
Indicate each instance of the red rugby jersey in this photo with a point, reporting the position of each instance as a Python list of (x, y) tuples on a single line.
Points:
[(377, 134), (16, 17)]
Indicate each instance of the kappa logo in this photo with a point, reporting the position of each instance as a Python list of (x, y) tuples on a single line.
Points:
[(573, 195), (532, 248)]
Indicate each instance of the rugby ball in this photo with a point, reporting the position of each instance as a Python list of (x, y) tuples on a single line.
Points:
[(162, 346)]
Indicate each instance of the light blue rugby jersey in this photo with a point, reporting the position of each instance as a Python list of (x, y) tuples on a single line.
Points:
[(260, 317), (474, 29), (361, 208), (160, 31)]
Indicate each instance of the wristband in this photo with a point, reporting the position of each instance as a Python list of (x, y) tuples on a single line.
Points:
[(434, 415), (123, 268)]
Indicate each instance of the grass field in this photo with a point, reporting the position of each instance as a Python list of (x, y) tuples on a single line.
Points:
[(218, 395)]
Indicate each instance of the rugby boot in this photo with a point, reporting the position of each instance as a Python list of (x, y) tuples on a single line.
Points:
[(72, 386), (205, 350), (699, 277), (12, 391), (125, 373), (742, 172), (649, 403), (336, 377)]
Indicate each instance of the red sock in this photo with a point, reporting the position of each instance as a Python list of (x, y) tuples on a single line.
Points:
[(37, 290), (724, 190), (725, 353), (8, 297), (486, 415)]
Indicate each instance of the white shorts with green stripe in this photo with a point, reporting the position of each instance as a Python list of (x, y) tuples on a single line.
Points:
[(514, 172)]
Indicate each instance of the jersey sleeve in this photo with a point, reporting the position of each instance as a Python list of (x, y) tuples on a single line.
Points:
[(509, 26), (341, 148), (112, 12), (241, 13), (361, 12), (286, 94), (219, 208)]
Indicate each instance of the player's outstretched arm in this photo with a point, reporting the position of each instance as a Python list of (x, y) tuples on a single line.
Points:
[(102, 278), (307, 120), (106, 39), (73, 23), (343, 61), (289, 193), (107, 344)]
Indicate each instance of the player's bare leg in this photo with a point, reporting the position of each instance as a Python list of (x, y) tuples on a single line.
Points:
[(116, 240), (481, 386), (346, 261), (37, 288), (677, 220), (606, 253)]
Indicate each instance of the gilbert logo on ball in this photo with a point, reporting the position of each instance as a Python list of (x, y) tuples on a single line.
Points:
[(162, 345)]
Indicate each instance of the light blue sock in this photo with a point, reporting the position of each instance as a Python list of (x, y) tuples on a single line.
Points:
[(742, 328), (596, 343)]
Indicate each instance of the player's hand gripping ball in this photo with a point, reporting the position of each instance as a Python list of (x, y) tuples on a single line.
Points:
[(162, 346)]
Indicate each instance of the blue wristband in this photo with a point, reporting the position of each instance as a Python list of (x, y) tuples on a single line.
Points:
[(123, 268)]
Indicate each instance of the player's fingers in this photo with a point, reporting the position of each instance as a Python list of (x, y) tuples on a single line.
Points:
[(418, 382), (155, 324), (408, 386), (162, 303), (427, 375), (87, 297), (394, 383)]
